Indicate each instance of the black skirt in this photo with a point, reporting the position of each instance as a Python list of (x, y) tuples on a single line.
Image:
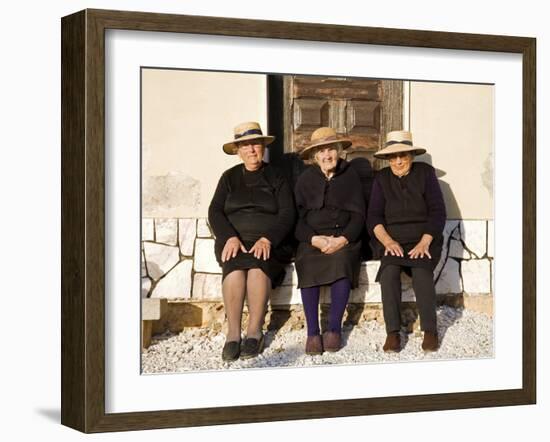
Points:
[(406, 262), (274, 267), (314, 268)]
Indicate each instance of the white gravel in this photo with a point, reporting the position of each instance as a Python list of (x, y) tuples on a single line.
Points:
[(464, 334)]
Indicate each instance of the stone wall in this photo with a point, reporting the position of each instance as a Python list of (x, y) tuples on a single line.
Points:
[(178, 263)]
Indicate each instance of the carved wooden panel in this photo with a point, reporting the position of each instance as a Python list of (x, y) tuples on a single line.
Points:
[(363, 117), (310, 113), (363, 110), (337, 87)]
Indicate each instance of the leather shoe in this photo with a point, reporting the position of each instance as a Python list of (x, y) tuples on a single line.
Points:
[(430, 342), (231, 350), (252, 347), (314, 345), (332, 341), (393, 343)]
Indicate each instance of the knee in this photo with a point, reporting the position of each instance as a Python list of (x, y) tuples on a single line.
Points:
[(234, 276), (256, 276), (422, 274), (256, 272)]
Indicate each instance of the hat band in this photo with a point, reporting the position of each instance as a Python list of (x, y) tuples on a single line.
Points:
[(325, 139), (249, 132), (407, 142)]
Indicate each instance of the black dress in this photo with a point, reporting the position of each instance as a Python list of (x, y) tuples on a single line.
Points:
[(407, 207), (251, 205), (332, 207)]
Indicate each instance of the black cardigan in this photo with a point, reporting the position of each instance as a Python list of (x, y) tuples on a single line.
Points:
[(229, 182), (343, 192)]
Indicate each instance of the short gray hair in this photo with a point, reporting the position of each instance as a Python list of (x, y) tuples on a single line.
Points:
[(337, 146)]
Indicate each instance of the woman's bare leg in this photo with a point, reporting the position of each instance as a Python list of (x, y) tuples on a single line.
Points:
[(233, 289), (257, 287)]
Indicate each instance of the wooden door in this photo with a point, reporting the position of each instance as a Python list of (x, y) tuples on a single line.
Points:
[(363, 110)]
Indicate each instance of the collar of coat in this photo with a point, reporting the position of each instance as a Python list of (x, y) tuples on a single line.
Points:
[(342, 191)]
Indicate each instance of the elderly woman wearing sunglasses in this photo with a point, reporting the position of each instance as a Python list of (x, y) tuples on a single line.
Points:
[(406, 217)]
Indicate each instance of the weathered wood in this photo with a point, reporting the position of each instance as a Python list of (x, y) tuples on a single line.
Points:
[(362, 117), (392, 113), (331, 88), (357, 108), (146, 332)]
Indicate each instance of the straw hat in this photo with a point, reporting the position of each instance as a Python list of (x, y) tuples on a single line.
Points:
[(399, 141), (323, 137), (243, 132)]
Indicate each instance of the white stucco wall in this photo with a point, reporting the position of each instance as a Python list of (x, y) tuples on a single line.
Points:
[(455, 123), (186, 117)]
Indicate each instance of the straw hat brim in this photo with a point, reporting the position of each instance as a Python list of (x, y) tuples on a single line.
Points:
[(306, 151), (231, 147), (398, 148)]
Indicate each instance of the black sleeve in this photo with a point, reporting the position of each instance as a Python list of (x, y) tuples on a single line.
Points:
[(377, 204), (285, 216), (303, 232), (353, 230), (222, 228)]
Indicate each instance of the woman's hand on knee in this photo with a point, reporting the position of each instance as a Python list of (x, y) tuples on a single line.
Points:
[(393, 248), (421, 249), (261, 249), (231, 248)]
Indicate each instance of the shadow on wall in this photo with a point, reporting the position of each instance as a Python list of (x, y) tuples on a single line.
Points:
[(451, 203), (451, 206)]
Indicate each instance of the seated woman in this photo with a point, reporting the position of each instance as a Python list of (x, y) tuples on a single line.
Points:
[(331, 213), (406, 215), (251, 214)]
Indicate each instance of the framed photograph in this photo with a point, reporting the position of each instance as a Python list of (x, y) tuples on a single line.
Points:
[(148, 100)]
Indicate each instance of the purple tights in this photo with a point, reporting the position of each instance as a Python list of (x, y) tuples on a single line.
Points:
[(339, 295)]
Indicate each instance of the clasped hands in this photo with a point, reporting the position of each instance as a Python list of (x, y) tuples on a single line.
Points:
[(328, 244), (261, 248), (418, 251)]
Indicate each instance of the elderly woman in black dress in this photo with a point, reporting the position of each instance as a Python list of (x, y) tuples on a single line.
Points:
[(331, 211), (251, 214), (406, 215)]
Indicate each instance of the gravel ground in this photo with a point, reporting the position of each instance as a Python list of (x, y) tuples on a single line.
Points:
[(463, 334)]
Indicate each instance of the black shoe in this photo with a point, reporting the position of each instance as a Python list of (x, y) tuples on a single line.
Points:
[(252, 347), (231, 351)]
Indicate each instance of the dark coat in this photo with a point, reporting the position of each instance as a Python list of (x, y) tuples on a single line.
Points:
[(329, 207)]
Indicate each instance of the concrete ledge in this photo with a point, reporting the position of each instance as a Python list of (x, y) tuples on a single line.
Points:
[(152, 309)]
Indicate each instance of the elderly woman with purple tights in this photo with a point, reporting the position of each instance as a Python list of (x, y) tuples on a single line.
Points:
[(331, 210)]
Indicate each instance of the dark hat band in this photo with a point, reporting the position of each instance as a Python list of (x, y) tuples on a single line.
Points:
[(249, 132), (324, 140), (407, 142)]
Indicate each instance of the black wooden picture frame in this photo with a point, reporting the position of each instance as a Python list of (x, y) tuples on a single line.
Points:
[(83, 220)]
